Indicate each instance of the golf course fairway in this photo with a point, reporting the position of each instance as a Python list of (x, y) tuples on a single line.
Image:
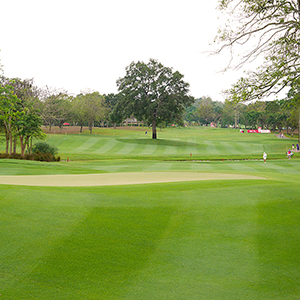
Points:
[(126, 218)]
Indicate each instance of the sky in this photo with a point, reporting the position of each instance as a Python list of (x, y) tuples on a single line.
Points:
[(86, 45)]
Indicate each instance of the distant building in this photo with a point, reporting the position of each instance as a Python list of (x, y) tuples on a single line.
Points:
[(130, 121)]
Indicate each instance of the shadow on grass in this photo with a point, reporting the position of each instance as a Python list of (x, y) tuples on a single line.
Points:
[(160, 142)]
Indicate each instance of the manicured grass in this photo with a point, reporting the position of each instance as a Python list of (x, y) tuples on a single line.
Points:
[(213, 240), (272, 168), (172, 144), (223, 239)]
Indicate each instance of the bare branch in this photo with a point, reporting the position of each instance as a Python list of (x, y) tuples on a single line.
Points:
[(278, 28)]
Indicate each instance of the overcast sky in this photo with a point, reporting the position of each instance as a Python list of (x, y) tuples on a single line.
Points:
[(79, 45)]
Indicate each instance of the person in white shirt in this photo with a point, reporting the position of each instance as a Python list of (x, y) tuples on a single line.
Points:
[(265, 157)]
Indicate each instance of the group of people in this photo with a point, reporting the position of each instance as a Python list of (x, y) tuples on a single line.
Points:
[(289, 152)]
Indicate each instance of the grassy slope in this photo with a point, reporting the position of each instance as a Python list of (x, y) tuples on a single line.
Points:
[(198, 240), (172, 144)]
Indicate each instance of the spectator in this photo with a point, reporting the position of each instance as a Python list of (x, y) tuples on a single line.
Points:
[(289, 154), (265, 157)]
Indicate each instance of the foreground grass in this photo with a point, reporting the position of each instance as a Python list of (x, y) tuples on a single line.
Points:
[(197, 240), (194, 240)]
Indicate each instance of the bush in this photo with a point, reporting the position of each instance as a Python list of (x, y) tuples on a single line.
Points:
[(41, 152), (4, 155), (45, 148), (45, 157)]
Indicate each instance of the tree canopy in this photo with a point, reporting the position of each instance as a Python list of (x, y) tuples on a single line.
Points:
[(18, 113), (266, 28), (89, 106), (154, 93)]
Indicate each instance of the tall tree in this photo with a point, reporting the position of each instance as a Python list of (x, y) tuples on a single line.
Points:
[(27, 94), (19, 111), (93, 107), (77, 111), (154, 93), (205, 110), (8, 101), (25, 90), (113, 102), (56, 107), (230, 114), (191, 114), (28, 125), (294, 99), (273, 26), (272, 108)]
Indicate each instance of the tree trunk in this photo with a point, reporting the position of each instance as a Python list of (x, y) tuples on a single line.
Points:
[(299, 121), (91, 127), (235, 119), (7, 142), (10, 143), (154, 129), (81, 126), (23, 145), (30, 149), (9, 133), (15, 145)]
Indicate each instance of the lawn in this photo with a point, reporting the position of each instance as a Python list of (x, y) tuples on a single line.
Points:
[(172, 144), (215, 239)]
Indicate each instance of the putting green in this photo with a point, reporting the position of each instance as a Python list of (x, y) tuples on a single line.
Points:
[(117, 178)]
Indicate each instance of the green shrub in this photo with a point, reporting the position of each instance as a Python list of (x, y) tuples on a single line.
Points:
[(41, 152), (45, 148), (43, 156)]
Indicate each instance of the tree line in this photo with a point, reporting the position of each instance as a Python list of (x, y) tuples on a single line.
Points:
[(24, 108), (273, 115), (150, 92), (153, 94)]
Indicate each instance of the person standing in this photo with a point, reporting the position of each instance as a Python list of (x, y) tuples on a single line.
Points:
[(265, 157)]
